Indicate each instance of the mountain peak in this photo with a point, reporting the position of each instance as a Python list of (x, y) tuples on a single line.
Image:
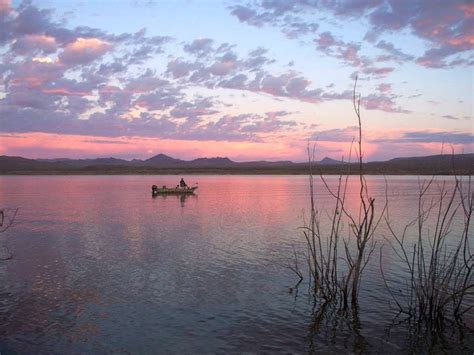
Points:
[(329, 161), (215, 161), (161, 158)]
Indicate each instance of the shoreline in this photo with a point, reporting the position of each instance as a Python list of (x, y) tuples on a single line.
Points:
[(224, 173)]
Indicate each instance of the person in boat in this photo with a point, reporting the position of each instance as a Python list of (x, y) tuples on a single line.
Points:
[(182, 184)]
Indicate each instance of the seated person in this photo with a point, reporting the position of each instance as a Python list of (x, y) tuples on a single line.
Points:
[(182, 183)]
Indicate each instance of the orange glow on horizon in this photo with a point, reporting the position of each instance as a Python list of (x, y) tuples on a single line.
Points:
[(45, 145)]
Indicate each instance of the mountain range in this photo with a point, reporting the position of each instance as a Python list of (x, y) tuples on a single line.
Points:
[(164, 164)]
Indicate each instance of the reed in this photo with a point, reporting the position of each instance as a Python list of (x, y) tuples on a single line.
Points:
[(336, 260), (437, 257), (7, 217)]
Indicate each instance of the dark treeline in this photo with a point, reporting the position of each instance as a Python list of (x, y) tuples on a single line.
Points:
[(461, 164)]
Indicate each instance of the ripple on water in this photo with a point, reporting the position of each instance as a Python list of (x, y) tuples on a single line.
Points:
[(98, 272)]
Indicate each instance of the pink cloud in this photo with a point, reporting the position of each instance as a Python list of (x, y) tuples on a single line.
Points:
[(326, 40), (223, 67), (467, 9), (33, 73), (84, 50), (30, 43), (5, 6), (381, 102), (384, 88), (65, 92), (465, 39)]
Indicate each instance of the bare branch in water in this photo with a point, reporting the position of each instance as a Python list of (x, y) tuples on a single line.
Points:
[(337, 262), (7, 217), (439, 280)]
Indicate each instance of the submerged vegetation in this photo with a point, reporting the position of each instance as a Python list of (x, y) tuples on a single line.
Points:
[(336, 262), (434, 246), (439, 261), (7, 217)]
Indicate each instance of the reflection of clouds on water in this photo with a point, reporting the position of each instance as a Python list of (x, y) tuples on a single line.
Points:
[(171, 197), (100, 266)]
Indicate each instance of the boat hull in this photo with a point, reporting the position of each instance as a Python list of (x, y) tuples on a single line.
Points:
[(174, 191)]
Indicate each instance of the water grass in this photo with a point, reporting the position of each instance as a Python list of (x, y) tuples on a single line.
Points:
[(436, 255), (336, 260), (437, 258)]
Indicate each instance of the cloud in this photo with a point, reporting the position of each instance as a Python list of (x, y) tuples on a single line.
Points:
[(347, 134), (104, 141), (84, 50), (445, 25), (146, 82), (294, 28), (243, 127), (33, 73), (348, 52), (450, 117), (394, 54), (326, 41), (34, 43), (381, 102), (432, 137), (378, 72), (238, 81), (441, 137), (224, 64), (272, 122), (200, 107), (384, 87), (159, 100), (249, 15), (201, 46), (179, 68), (289, 85), (5, 6), (67, 87), (85, 81)]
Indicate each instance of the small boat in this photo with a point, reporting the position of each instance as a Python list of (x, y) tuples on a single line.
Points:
[(155, 190)]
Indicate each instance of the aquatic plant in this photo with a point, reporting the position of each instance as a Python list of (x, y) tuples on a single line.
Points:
[(336, 262), (438, 259), (7, 217)]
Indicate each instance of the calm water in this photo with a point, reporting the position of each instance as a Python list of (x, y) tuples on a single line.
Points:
[(100, 266)]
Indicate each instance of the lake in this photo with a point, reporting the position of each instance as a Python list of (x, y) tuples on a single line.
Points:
[(100, 266)]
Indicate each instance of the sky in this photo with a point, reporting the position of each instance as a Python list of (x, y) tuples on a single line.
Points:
[(248, 80)]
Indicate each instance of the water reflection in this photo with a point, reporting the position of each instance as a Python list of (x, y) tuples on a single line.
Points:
[(416, 337), (331, 325), (180, 197), (96, 272)]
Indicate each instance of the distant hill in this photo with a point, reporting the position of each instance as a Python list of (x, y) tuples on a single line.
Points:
[(329, 161), (164, 164), (434, 164), (161, 160), (212, 162)]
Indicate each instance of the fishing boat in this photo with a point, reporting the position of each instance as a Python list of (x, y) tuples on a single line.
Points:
[(155, 190)]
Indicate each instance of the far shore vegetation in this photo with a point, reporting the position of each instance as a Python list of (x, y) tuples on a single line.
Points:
[(433, 165)]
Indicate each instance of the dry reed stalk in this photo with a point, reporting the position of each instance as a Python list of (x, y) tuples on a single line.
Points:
[(336, 262), (7, 217), (439, 267)]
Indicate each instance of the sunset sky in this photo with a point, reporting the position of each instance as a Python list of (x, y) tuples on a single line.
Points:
[(248, 80)]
